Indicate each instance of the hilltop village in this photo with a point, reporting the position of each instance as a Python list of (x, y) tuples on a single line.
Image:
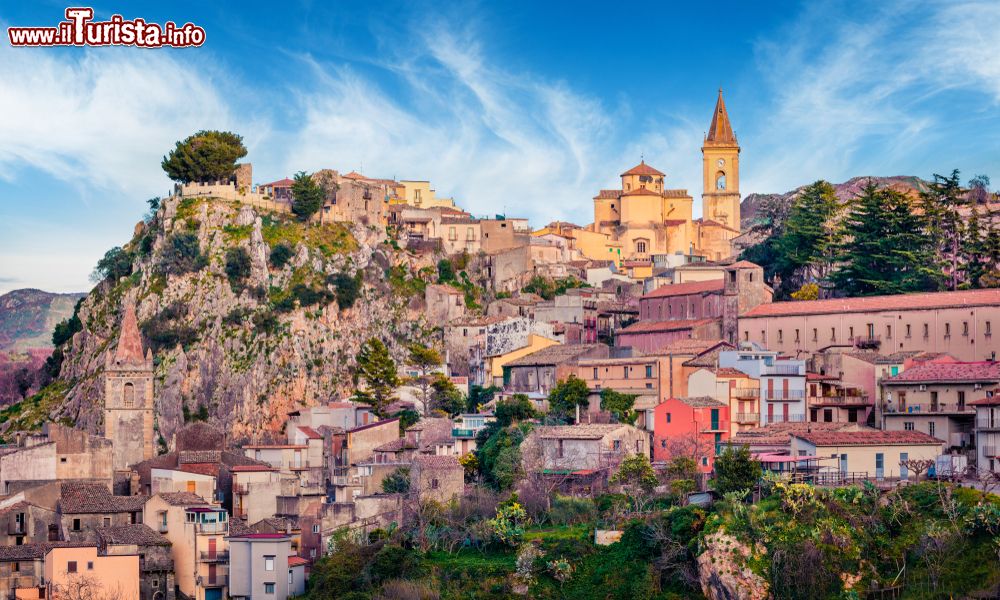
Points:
[(638, 343)]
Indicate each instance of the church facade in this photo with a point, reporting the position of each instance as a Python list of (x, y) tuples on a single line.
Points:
[(646, 218)]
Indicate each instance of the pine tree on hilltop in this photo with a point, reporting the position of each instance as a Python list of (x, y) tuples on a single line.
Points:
[(378, 371), (886, 249), (808, 244), (941, 204)]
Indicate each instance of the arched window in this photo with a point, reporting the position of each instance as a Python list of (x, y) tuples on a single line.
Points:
[(640, 246), (128, 396), (720, 181)]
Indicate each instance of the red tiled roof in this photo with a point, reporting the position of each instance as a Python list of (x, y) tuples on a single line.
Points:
[(925, 301), (684, 289), (608, 195), (211, 469), (867, 438), (949, 371), (993, 400), (658, 326), (310, 432), (641, 192), (297, 561), (286, 182), (276, 446), (729, 372), (642, 169), (354, 175), (674, 222), (250, 468), (743, 264), (375, 424)]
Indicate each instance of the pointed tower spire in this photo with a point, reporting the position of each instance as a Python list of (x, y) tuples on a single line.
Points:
[(129, 348), (721, 131)]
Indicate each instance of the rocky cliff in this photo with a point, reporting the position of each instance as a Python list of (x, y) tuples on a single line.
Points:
[(247, 344)]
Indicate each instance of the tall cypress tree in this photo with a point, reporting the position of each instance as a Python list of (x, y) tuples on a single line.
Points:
[(941, 204), (885, 249)]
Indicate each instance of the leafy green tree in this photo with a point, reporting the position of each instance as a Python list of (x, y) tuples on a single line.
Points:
[(307, 196), (205, 156), (515, 409), (237, 266), (377, 370), (348, 288), (736, 470), (280, 255), (542, 286), (446, 271), (885, 249), (637, 478), (567, 397), (981, 244), (182, 254), (619, 405), (115, 264), (66, 328), (808, 243), (397, 482), (479, 396), (406, 417), (508, 526), (498, 453), (445, 396)]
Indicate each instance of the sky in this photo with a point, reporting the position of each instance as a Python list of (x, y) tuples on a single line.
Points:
[(523, 108)]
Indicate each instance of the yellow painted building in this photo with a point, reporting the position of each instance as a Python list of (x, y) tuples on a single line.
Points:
[(646, 218), (420, 195), (535, 343), (593, 245)]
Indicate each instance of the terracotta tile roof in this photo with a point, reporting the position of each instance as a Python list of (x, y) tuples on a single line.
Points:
[(993, 400), (354, 175), (659, 326), (675, 193), (199, 456), (729, 372), (684, 289), (234, 459), (642, 169), (743, 264), (16, 507), (310, 433), (396, 446), (578, 432), (297, 561), (608, 195), (432, 461), (33, 551), (140, 535), (720, 132), (275, 446), (554, 355), (273, 525), (211, 469), (780, 433), (867, 438), (642, 192), (183, 499), (931, 372), (446, 289), (94, 498), (250, 468), (394, 420), (238, 527), (702, 402), (674, 223), (281, 183), (961, 299)]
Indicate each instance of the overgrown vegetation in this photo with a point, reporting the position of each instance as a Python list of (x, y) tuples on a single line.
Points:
[(550, 288)]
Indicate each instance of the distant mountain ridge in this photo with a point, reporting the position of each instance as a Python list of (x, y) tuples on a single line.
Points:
[(28, 317)]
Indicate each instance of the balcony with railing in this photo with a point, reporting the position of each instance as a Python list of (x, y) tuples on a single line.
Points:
[(241, 489), (779, 369), (782, 418), (987, 423), (991, 451), (746, 392), (784, 395), (839, 400), (463, 433), (214, 557), (866, 342), (747, 418), (219, 580), (715, 427), (931, 407)]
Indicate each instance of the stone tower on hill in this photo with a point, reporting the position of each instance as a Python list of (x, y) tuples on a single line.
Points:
[(128, 396), (721, 169)]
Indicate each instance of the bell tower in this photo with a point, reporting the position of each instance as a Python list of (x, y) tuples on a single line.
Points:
[(720, 157), (128, 397)]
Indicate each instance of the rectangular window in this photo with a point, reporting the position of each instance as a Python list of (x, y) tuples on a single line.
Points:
[(649, 371), (796, 336), (986, 328), (965, 328), (927, 331), (888, 332), (107, 521), (850, 332), (780, 336), (291, 577), (315, 528), (559, 449), (668, 417), (815, 334), (931, 427), (907, 330), (435, 484), (625, 369), (908, 425), (595, 372), (76, 524), (90, 565), (833, 334), (947, 330), (269, 588), (617, 446), (268, 563), (71, 566)]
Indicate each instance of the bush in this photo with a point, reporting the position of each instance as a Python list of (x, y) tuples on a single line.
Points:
[(115, 264), (446, 272), (237, 266), (348, 288), (66, 328), (166, 329), (393, 562), (397, 482), (182, 254), (266, 322), (736, 470), (280, 255), (405, 590), (570, 510)]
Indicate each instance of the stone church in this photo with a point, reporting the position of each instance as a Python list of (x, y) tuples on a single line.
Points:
[(128, 396), (647, 219)]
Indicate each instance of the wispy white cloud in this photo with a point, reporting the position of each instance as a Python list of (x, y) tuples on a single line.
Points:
[(858, 95)]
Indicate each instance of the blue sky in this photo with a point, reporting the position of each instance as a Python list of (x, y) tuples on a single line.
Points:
[(526, 108)]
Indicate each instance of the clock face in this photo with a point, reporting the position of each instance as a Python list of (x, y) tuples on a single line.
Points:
[(720, 162)]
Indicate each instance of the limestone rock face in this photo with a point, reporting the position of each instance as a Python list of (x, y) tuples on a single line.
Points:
[(235, 351), (723, 573)]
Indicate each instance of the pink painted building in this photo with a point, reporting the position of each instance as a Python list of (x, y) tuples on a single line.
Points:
[(690, 427)]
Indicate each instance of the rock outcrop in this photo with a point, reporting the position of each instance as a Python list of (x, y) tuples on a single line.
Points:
[(723, 571)]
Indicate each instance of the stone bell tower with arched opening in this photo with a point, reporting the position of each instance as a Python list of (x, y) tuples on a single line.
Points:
[(720, 156), (128, 396)]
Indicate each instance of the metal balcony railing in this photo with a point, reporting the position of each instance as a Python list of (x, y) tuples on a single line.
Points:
[(780, 418), (845, 399), (987, 423), (746, 392), (747, 417), (783, 370), (463, 433), (941, 407), (220, 556), (784, 395)]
